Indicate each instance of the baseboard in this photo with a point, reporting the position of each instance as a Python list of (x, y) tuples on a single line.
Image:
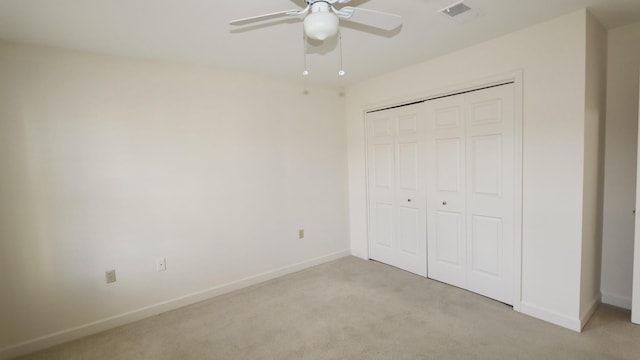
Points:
[(616, 300), (586, 316), (359, 254), (158, 308), (551, 316)]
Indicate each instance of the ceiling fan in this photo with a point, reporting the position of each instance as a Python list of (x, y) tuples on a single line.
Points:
[(321, 18)]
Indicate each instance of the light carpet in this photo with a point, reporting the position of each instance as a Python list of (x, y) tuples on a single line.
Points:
[(355, 309)]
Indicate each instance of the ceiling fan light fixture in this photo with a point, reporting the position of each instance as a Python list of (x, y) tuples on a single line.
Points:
[(321, 25)]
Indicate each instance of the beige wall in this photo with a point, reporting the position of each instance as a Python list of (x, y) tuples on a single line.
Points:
[(620, 164), (595, 111), (552, 57), (109, 163)]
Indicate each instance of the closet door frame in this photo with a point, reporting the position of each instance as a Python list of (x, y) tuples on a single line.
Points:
[(515, 77), (635, 298)]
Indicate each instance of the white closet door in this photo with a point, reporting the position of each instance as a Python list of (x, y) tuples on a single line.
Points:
[(411, 199), (381, 164), (491, 192), (397, 196), (471, 192), (446, 189)]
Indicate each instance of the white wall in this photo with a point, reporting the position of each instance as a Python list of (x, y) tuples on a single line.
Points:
[(110, 163), (595, 111), (552, 56), (620, 164)]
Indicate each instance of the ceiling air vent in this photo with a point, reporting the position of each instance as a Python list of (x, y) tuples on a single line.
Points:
[(459, 11)]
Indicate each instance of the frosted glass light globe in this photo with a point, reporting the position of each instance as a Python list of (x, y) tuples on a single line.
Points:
[(321, 25)]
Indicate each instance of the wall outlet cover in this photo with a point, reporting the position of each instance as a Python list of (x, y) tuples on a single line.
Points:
[(161, 264), (110, 276)]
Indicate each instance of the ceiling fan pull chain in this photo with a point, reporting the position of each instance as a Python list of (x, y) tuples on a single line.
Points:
[(305, 72), (341, 72)]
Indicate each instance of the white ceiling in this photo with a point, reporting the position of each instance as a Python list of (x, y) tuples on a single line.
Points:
[(197, 31)]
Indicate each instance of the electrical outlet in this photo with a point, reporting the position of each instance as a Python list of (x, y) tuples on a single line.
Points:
[(110, 276), (161, 264), (301, 234)]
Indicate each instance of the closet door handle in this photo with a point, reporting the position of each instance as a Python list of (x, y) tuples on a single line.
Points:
[(444, 203), (408, 200)]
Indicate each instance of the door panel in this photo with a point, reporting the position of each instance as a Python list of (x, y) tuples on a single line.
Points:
[(409, 223), (471, 191), (448, 158), (488, 111), (383, 165), (486, 243), (491, 192), (381, 183), (382, 127), (448, 238), (408, 166), (396, 180), (448, 115), (446, 195), (408, 124), (384, 224), (486, 164), (410, 200)]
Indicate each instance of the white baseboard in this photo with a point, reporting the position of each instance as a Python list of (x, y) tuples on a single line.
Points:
[(359, 254), (586, 316), (551, 316), (616, 300), (158, 308)]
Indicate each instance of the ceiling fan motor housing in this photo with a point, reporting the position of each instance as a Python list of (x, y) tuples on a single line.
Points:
[(321, 23)]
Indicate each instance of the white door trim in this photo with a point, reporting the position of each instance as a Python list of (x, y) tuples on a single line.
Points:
[(517, 78), (635, 298)]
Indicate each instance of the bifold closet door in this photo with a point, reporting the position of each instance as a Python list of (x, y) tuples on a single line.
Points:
[(446, 207), (491, 192), (397, 188), (471, 197)]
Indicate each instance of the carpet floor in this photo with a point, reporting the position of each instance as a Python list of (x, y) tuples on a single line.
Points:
[(355, 309)]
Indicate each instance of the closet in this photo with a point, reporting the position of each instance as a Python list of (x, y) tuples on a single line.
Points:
[(442, 189)]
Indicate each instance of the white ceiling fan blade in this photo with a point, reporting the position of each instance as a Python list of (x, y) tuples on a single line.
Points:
[(374, 18), (267, 17)]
